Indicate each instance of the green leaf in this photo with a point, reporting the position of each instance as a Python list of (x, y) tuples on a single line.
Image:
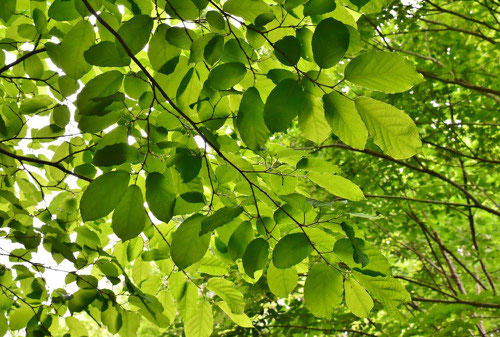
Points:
[(101, 86), (386, 290), (220, 217), (105, 54), (312, 122), (337, 185), (239, 240), (343, 118), (61, 115), (81, 300), (317, 7), (20, 316), (179, 37), (129, 216), (188, 246), (288, 50), (323, 290), (392, 130), (250, 120), (199, 320), (103, 194), (35, 104), (74, 44), (135, 33), (330, 42), (115, 154), (162, 55), (227, 291), (226, 75), (358, 300), (62, 10), (182, 9), (247, 9), (255, 256), (240, 319), (216, 20), (281, 282), (382, 71), (213, 49), (283, 105), (290, 250), (160, 195), (7, 9), (112, 319)]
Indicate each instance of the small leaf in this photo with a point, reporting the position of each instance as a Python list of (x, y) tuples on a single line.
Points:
[(187, 246), (61, 115), (290, 250), (214, 49), (255, 256), (103, 194), (162, 55), (330, 42), (129, 216), (240, 319), (323, 290)]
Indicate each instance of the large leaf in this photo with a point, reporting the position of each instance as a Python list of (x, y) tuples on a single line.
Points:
[(129, 216), (135, 33), (283, 105), (239, 240), (226, 75), (357, 299), (281, 282), (255, 256), (382, 71), (219, 218), (160, 195), (247, 9), (337, 185), (330, 42), (312, 120), (103, 194), (392, 130), (250, 120), (323, 290), (226, 290), (75, 43), (290, 250), (199, 320), (288, 50), (188, 246), (341, 114)]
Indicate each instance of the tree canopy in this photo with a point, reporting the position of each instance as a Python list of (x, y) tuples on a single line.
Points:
[(249, 167)]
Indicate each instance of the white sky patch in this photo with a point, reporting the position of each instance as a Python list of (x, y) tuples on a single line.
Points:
[(200, 141)]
